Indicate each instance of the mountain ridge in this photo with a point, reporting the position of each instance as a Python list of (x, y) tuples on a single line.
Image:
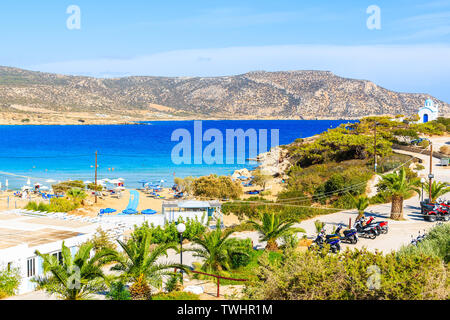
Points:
[(295, 94)]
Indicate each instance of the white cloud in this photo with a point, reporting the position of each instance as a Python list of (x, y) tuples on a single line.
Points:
[(411, 68)]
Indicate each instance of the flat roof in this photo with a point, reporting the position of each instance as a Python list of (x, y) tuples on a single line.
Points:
[(191, 204), (34, 231)]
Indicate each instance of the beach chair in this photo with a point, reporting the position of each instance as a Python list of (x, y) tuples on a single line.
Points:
[(94, 220)]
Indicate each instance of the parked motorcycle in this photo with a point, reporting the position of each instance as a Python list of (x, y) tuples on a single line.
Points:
[(348, 236), (382, 226), (436, 212), (369, 231), (418, 239), (333, 240)]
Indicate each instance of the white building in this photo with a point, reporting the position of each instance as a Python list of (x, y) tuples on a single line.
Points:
[(21, 235), (428, 112), (191, 209)]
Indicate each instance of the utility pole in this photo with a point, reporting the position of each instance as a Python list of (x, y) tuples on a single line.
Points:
[(430, 176), (375, 146), (96, 153)]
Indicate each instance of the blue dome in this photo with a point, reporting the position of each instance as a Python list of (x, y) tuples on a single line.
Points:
[(429, 103)]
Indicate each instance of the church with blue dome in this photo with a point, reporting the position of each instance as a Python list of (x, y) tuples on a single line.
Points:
[(428, 112)]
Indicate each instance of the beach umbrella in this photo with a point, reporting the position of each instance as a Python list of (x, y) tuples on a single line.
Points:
[(143, 182), (109, 210), (149, 211), (129, 211)]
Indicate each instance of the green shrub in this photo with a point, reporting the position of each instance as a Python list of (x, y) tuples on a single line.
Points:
[(101, 240), (67, 185), (338, 145), (32, 205), (62, 205), (436, 127), (391, 162), (9, 282), (174, 282), (424, 144), (56, 205), (118, 291), (351, 275), (344, 202), (176, 295), (217, 187), (380, 197), (245, 210), (436, 243), (419, 167), (94, 187), (168, 233), (241, 257), (319, 225), (194, 228), (324, 183)]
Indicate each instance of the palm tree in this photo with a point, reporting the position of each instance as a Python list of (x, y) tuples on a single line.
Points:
[(73, 277), (361, 203), (273, 227), (138, 262), (319, 225), (216, 248), (76, 195), (438, 189), (398, 186)]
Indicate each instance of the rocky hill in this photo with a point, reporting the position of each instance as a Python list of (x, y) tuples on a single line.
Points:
[(291, 95)]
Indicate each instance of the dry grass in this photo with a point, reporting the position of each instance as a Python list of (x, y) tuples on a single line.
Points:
[(445, 150)]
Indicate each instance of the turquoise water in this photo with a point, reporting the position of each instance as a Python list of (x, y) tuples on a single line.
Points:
[(132, 152)]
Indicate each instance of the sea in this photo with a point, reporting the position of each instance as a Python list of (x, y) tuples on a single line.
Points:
[(138, 152)]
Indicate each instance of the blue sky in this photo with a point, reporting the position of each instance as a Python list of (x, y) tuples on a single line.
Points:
[(411, 51)]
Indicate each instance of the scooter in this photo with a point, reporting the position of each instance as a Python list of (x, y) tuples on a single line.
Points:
[(332, 240), (418, 239), (437, 212), (370, 232), (382, 225), (349, 236)]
